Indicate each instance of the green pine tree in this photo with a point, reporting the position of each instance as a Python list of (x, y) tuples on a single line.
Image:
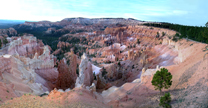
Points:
[(165, 101), (162, 79)]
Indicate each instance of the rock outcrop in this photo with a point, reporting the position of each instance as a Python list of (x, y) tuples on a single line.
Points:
[(25, 46), (62, 44), (85, 72), (65, 78), (27, 65), (67, 73), (8, 32), (101, 82), (73, 64)]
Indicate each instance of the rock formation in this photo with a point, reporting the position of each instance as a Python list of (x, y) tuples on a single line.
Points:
[(73, 64), (66, 78), (8, 32), (101, 82), (67, 73), (27, 64), (62, 44), (130, 55), (25, 46), (85, 72)]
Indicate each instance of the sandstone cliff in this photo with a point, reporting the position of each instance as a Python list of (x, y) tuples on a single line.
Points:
[(27, 66)]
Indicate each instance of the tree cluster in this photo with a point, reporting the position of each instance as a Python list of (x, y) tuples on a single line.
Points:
[(165, 101), (192, 32), (162, 79)]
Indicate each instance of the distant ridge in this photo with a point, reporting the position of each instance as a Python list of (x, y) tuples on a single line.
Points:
[(4, 24)]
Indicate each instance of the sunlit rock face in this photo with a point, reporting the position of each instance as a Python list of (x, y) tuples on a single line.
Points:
[(85, 72), (27, 65), (25, 46)]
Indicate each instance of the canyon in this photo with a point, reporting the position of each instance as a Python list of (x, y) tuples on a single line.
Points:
[(101, 63)]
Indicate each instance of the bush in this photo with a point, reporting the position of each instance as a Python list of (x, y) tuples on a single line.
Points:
[(138, 41), (177, 34), (132, 66), (119, 64), (77, 71), (158, 35), (162, 79), (163, 34), (175, 39), (104, 72), (5, 41), (165, 101), (94, 76)]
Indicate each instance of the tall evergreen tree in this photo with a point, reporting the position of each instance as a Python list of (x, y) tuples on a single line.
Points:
[(162, 79)]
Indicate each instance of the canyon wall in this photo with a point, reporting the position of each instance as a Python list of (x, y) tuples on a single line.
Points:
[(28, 66)]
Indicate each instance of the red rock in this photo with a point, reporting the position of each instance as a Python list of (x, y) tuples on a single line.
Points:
[(65, 78), (62, 44), (73, 65)]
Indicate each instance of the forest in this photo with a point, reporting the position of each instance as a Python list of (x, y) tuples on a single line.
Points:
[(196, 33)]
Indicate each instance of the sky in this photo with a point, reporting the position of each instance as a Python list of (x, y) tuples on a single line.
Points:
[(185, 12)]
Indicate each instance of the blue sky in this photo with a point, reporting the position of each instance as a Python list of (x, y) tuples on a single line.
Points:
[(186, 12)]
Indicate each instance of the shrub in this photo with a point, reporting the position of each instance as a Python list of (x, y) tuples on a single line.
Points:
[(165, 101), (163, 34), (177, 34), (116, 59), (94, 76), (119, 64), (77, 71), (175, 39), (138, 41), (158, 35), (104, 72), (5, 41), (132, 66)]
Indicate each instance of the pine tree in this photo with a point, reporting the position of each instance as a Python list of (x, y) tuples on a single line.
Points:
[(162, 79), (165, 101)]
